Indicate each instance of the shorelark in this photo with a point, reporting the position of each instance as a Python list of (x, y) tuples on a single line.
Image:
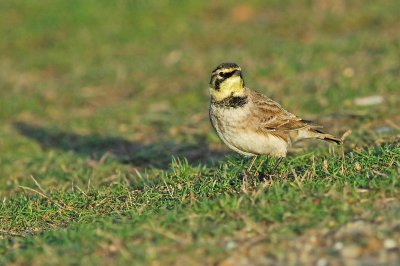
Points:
[(250, 123)]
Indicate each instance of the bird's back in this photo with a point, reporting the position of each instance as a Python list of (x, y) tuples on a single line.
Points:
[(273, 119)]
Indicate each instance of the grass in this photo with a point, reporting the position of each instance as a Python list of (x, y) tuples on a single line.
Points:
[(107, 155)]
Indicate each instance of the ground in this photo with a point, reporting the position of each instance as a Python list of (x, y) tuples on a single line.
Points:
[(107, 154)]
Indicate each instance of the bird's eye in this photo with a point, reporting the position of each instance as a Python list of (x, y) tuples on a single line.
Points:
[(221, 74)]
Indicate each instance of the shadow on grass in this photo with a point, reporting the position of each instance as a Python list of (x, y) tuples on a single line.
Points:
[(157, 155)]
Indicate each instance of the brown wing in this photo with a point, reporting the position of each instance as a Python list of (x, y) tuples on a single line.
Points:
[(272, 117)]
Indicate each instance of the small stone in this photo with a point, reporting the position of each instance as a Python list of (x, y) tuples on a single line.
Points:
[(384, 130), (230, 245), (390, 243), (331, 223), (173, 57), (351, 251), (338, 246), (348, 72), (369, 100), (322, 262)]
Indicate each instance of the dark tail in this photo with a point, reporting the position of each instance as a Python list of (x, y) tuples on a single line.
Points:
[(327, 137)]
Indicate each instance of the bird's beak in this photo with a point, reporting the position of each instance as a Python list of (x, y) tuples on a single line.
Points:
[(237, 73)]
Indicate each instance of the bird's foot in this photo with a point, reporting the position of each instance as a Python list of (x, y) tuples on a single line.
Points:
[(245, 179), (271, 173), (264, 176), (251, 179)]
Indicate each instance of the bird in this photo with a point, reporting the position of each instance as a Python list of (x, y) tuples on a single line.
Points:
[(252, 124)]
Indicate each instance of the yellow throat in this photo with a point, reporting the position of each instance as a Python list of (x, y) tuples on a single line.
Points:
[(231, 87)]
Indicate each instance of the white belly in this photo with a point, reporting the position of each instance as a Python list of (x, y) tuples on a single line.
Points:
[(257, 144), (229, 124)]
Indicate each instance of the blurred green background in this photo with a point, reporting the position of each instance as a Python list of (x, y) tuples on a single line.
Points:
[(92, 76), (94, 90)]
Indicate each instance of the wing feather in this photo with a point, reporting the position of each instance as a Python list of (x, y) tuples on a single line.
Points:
[(272, 117)]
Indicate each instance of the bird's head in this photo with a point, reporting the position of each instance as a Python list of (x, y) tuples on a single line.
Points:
[(226, 81)]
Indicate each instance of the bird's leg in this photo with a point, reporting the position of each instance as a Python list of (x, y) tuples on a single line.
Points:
[(251, 164), (259, 167), (278, 162), (247, 173)]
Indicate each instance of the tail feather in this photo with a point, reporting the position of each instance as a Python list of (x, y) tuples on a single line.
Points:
[(327, 137)]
